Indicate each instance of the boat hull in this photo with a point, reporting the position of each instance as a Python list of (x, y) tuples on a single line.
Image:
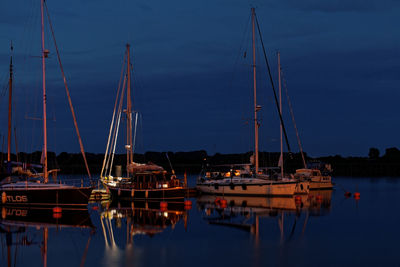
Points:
[(256, 189), (147, 194), (51, 196), (320, 185)]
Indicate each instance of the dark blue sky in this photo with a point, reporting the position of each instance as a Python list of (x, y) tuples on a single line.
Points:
[(192, 85)]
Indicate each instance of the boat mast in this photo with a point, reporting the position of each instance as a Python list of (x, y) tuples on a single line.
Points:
[(10, 108), (44, 55), (129, 151), (256, 108), (280, 112)]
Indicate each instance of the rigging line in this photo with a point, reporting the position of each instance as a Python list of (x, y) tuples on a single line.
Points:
[(134, 136), (114, 130), (113, 133), (273, 89), (117, 126), (68, 94), (113, 117), (294, 122), (240, 50)]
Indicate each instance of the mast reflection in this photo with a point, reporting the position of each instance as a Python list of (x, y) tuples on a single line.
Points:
[(26, 227)]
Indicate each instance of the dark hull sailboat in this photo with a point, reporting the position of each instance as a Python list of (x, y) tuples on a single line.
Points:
[(141, 181), (23, 187), (176, 193), (49, 195)]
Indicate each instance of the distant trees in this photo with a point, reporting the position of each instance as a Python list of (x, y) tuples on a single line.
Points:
[(373, 153), (392, 154)]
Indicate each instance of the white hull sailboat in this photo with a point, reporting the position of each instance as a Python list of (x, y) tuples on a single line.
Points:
[(251, 183), (247, 186), (316, 179)]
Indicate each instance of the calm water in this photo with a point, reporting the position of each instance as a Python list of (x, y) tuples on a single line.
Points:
[(326, 229)]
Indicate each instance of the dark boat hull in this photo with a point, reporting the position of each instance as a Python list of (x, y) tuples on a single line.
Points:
[(177, 193), (46, 197)]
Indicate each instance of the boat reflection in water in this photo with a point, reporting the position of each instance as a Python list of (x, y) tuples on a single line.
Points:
[(26, 228), (245, 212), (121, 222)]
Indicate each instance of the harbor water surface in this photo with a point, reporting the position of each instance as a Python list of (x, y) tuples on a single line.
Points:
[(323, 229)]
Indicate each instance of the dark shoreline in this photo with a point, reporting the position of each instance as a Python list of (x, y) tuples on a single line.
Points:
[(192, 162)]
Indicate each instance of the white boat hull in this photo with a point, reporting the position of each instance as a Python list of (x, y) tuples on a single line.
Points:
[(254, 188), (320, 185)]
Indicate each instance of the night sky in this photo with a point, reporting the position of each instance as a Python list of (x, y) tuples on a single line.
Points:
[(192, 81)]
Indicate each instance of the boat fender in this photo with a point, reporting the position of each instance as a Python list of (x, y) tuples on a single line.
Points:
[(3, 213), (163, 205), (147, 194), (132, 193), (223, 203), (57, 210), (3, 197)]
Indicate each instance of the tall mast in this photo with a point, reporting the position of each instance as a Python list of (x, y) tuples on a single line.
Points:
[(253, 14), (10, 108), (44, 55), (129, 151), (280, 112)]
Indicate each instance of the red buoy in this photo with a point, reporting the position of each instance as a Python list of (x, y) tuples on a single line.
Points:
[(347, 194), (223, 203), (57, 210), (217, 200), (356, 194), (188, 204), (57, 215), (163, 205)]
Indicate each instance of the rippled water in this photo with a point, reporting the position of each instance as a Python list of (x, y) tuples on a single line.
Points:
[(323, 229)]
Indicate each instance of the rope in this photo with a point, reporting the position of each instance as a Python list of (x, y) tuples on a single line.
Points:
[(116, 130), (68, 95), (293, 120), (273, 89), (113, 119)]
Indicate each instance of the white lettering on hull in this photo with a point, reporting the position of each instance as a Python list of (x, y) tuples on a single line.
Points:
[(17, 199)]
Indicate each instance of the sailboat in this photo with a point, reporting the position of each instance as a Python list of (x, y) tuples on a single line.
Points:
[(146, 181), (310, 176), (243, 180), (303, 186), (25, 188)]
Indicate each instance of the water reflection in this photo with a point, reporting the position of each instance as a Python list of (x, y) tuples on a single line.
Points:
[(24, 229), (244, 213), (121, 222)]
